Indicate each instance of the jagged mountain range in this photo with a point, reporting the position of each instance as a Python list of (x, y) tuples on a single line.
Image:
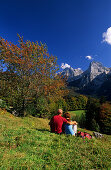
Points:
[(96, 80)]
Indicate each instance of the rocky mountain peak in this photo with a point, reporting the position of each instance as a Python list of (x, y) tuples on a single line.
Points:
[(96, 66), (93, 77), (96, 69), (95, 80), (71, 73)]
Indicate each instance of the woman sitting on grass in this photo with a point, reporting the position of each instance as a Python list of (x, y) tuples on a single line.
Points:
[(70, 129)]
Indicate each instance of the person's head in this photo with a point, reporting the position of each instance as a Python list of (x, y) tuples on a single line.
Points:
[(67, 116), (60, 112)]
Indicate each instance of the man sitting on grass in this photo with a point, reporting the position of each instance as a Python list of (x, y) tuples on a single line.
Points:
[(57, 121)]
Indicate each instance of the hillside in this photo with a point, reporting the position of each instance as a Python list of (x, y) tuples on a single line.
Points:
[(28, 144)]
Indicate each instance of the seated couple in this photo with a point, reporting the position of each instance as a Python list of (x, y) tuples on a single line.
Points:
[(58, 123)]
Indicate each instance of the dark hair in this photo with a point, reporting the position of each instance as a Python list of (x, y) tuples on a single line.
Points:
[(67, 116)]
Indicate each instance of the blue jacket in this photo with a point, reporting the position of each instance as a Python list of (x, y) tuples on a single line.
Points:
[(68, 129)]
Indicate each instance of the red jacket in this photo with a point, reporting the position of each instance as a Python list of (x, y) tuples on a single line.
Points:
[(56, 123)]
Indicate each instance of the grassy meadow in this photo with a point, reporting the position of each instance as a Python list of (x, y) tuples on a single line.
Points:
[(77, 112), (26, 143)]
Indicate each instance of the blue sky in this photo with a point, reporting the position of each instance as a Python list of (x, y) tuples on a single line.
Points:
[(76, 31)]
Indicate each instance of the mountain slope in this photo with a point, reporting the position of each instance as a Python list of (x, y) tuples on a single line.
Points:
[(91, 80), (105, 89)]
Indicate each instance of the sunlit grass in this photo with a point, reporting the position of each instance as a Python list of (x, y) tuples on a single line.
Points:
[(77, 112), (26, 143)]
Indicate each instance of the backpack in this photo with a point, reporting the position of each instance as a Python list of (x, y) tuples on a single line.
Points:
[(84, 135)]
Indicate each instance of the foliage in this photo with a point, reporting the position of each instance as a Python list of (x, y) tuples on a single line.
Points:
[(61, 104), (92, 113), (105, 118), (98, 116), (81, 102), (80, 117), (31, 109), (42, 107), (3, 104), (30, 73), (76, 103), (27, 143), (95, 126)]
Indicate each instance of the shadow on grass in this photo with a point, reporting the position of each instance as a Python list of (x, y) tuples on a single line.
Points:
[(43, 130)]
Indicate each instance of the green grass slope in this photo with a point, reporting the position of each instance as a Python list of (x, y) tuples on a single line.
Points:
[(26, 143), (77, 112)]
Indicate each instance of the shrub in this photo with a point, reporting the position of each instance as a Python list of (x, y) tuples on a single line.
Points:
[(95, 125), (105, 118), (42, 107), (81, 119), (92, 113), (98, 116), (3, 105), (31, 109)]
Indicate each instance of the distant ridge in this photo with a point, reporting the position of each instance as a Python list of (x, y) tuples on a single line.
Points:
[(90, 81)]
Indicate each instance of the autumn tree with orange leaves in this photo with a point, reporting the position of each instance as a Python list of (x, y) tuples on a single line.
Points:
[(29, 73), (105, 118)]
